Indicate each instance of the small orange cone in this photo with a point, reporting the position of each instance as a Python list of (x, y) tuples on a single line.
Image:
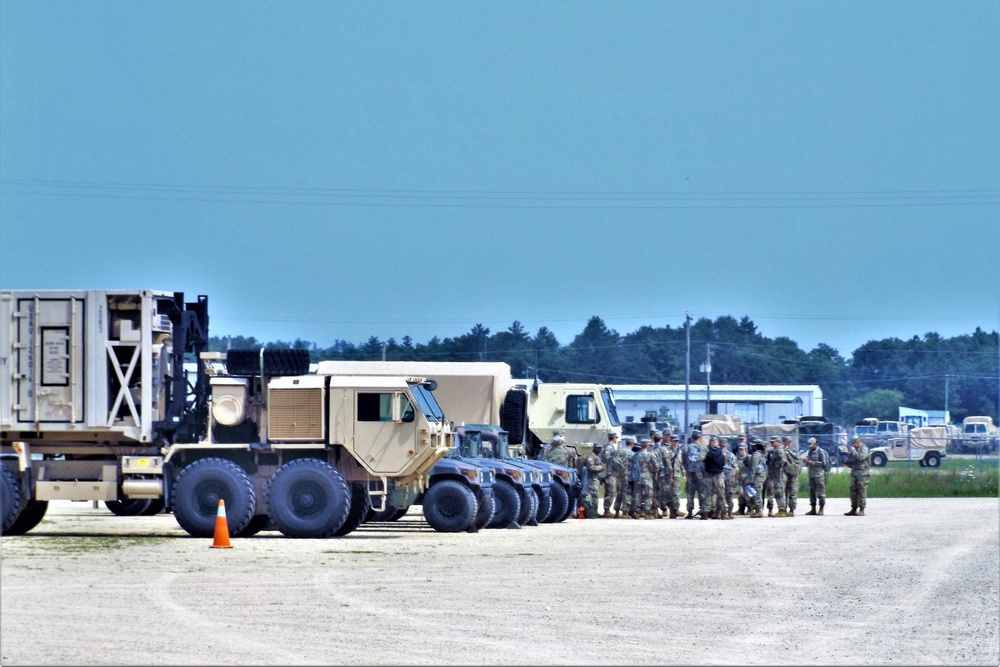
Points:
[(221, 540), (580, 512)]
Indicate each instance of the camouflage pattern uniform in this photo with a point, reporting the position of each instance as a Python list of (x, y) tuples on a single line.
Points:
[(624, 499), (774, 486), (644, 495), (691, 460), (790, 476), (609, 455), (556, 453), (742, 477), (595, 475), (730, 477), (858, 460), (758, 473), (671, 473), (817, 461), (712, 500)]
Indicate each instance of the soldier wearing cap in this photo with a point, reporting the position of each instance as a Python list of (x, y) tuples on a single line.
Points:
[(858, 460), (659, 495), (556, 453), (713, 506), (730, 477), (758, 475), (595, 469), (790, 475), (692, 461), (623, 501), (673, 473), (743, 477), (609, 456), (774, 485), (818, 462), (643, 508)]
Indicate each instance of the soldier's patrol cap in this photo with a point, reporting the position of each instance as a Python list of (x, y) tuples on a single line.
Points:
[(557, 438), (657, 434), (695, 433), (612, 436), (786, 438), (856, 438), (557, 431), (674, 438), (775, 438), (628, 438), (811, 441), (742, 445), (645, 441)]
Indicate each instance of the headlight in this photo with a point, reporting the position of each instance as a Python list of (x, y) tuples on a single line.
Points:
[(515, 474)]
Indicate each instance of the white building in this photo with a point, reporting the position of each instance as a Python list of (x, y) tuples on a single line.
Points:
[(753, 403)]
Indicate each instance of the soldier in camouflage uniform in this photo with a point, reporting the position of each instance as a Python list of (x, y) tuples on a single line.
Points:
[(774, 486), (556, 453), (624, 500), (659, 495), (858, 460), (742, 476), (595, 475), (817, 460), (714, 485), (758, 475), (730, 477), (691, 460), (790, 475), (644, 487), (672, 473), (610, 483)]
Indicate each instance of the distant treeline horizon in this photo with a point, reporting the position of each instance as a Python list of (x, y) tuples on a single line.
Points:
[(926, 372)]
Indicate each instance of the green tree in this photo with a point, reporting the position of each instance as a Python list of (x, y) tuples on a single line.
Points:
[(880, 403)]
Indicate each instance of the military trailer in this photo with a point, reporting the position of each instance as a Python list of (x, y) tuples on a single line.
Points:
[(485, 393), (95, 405)]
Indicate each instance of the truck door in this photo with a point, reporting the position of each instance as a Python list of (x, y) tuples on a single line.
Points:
[(385, 430), (900, 447), (48, 377)]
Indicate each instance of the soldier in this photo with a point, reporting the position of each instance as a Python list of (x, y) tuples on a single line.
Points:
[(548, 445), (609, 457), (857, 459), (713, 462), (556, 453), (818, 462), (595, 475), (774, 485), (730, 474), (691, 460), (659, 496), (790, 475), (624, 499), (758, 475), (672, 473), (644, 485), (742, 477)]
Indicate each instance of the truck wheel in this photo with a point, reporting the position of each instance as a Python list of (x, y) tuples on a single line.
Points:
[(360, 504), (544, 505), (508, 504), (514, 415), (560, 501), (308, 498), (878, 460), (257, 524), (574, 502), (155, 507), (128, 507), (10, 498), (485, 513), (31, 515), (932, 460), (390, 513), (197, 492), (529, 506), (449, 506)]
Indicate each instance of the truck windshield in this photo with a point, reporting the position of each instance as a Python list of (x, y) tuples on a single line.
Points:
[(426, 401), (470, 445), (501, 448), (609, 405)]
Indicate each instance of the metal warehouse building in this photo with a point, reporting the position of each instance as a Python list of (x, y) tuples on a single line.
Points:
[(754, 403)]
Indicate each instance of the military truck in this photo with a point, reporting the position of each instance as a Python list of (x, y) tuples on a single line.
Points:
[(721, 425), (485, 393), (926, 445), (978, 435), (95, 405)]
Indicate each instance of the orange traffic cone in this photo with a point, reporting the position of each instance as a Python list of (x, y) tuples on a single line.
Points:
[(580, 512), (221, 540)]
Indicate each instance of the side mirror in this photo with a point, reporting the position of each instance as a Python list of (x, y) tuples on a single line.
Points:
[(397, 409), (430, 385)]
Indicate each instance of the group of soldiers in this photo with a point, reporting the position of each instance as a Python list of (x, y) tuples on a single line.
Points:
[(643, 479)]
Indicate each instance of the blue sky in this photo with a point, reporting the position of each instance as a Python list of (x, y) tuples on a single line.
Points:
[(340, 170)]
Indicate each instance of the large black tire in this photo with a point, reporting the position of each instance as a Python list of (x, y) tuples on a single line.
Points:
[(529, 506), (390, 513), (544, 505), (932, 460), (571, 506), (276, 362), (128, 507), (155, 507), (560, 501), (257, 524), (197, 492), (10, 498), (360, 506), (308, 498), (514, 415), (450, 506), (508, 504), (485, 513), (31, 515), (878, 460)]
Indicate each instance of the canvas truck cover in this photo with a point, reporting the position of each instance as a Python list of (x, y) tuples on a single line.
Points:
[(721, 425), (470, 392), (765, 431), (929, 437)]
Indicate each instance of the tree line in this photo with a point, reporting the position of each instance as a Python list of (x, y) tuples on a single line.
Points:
[(880, 376)]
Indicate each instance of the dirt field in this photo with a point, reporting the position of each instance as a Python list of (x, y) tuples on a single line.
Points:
[(914, 582)]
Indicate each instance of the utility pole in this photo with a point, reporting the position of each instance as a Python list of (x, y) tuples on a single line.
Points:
[(708, 378), (946, 377), (687, 373)]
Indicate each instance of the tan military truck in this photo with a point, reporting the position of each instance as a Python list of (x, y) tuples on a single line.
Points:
[(485, 393), (95, 405), (978, 435), (721, 425), (925, 444)]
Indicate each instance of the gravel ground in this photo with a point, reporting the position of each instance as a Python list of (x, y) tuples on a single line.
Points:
[(917, 581)]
